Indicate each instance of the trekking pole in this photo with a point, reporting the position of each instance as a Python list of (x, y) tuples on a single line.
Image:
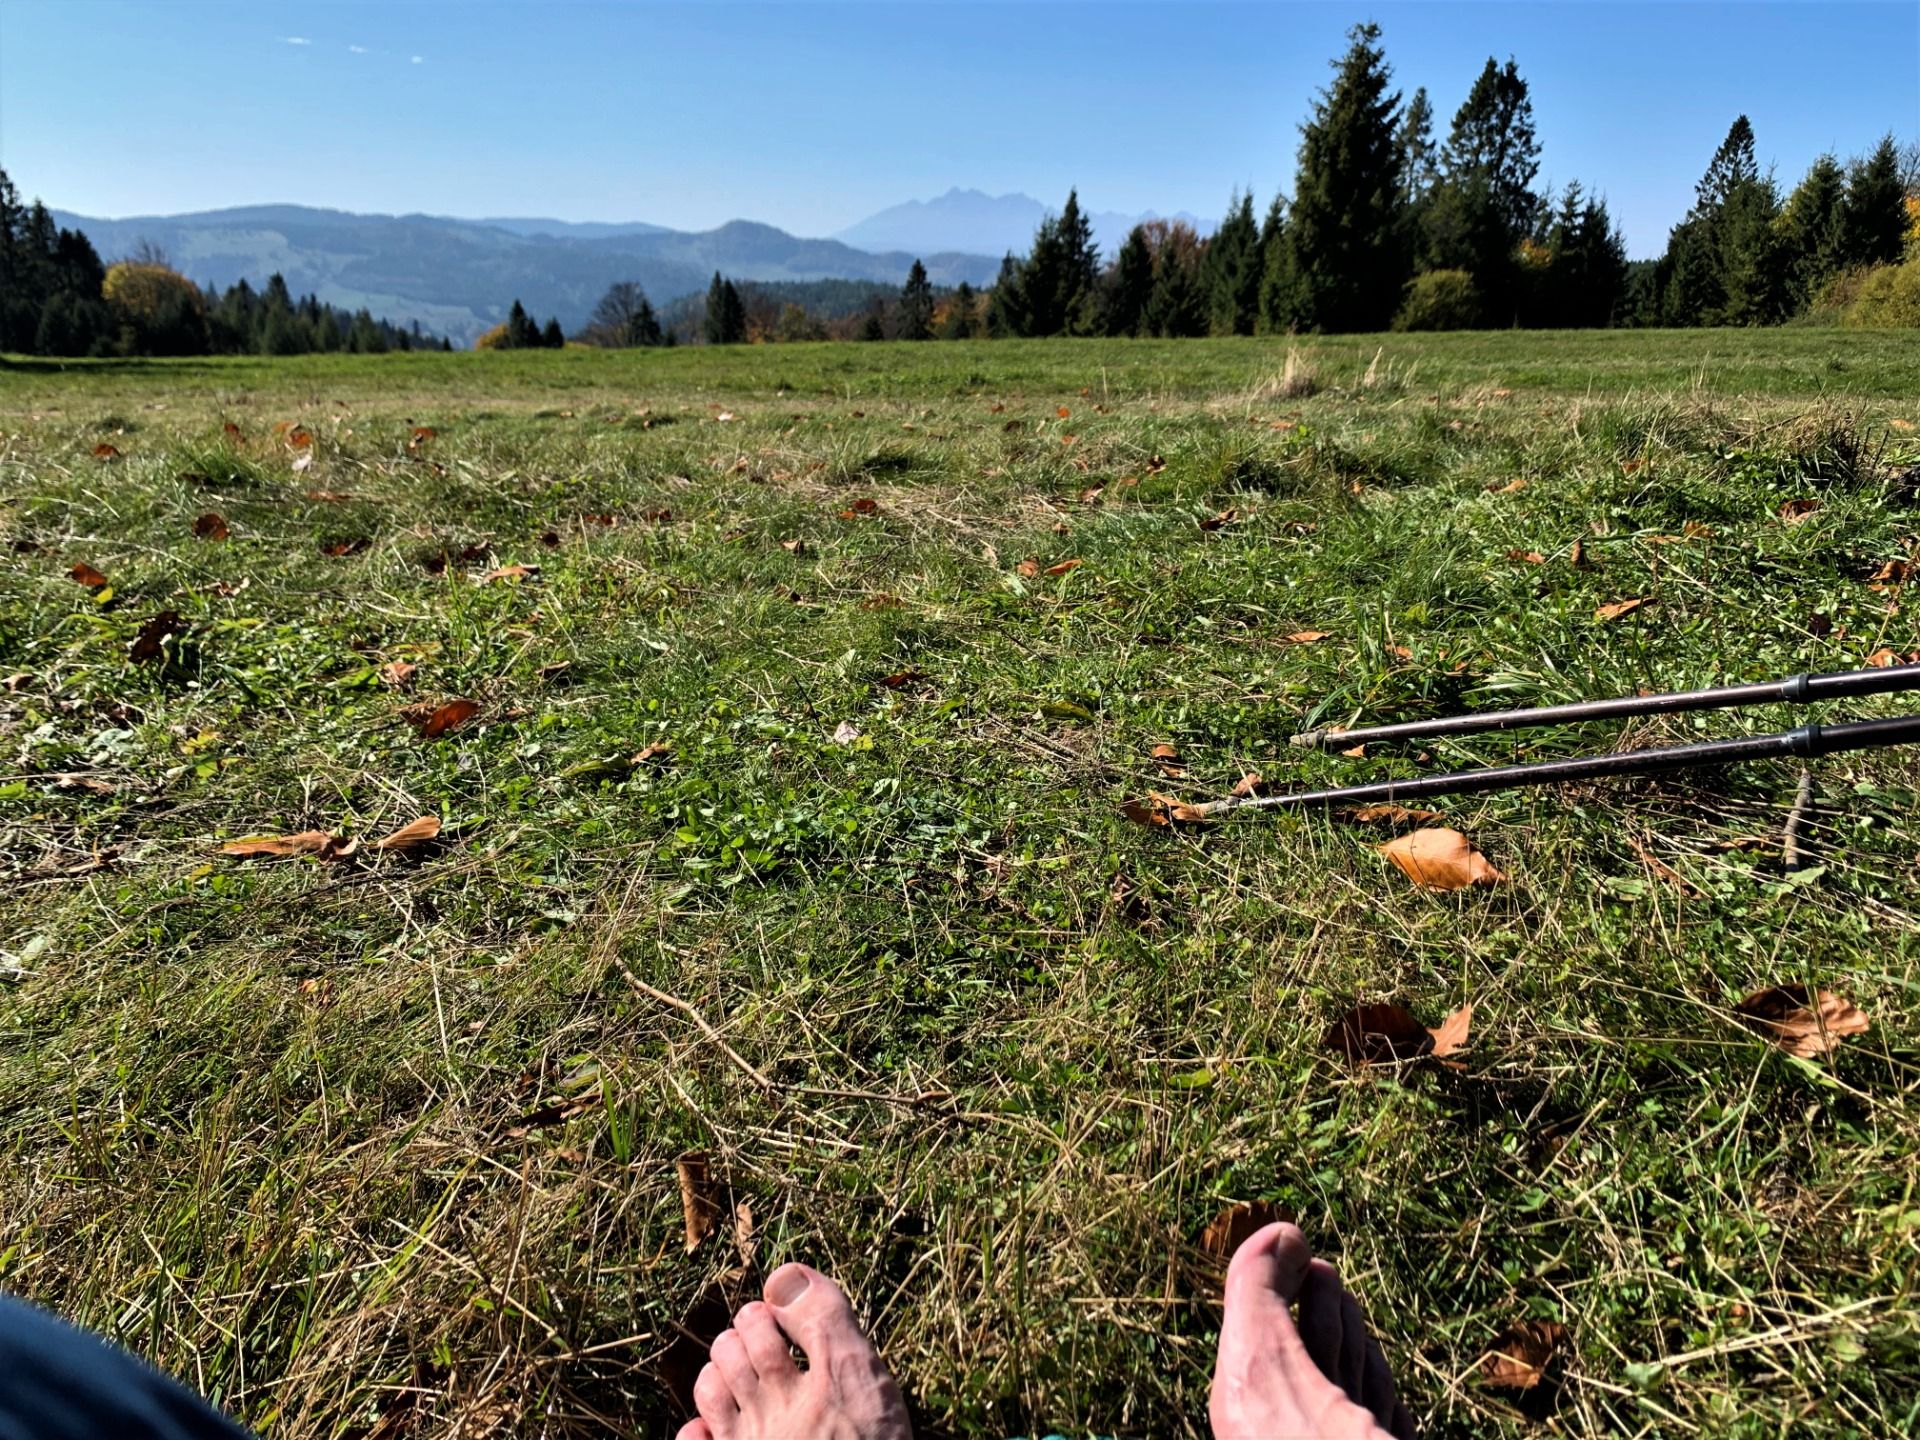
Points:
[(1807, 742), (1796, 690)]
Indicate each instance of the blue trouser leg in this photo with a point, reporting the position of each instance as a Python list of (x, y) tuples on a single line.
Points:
[(61, 1383)]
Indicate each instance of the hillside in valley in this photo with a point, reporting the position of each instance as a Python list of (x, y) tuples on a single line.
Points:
[(985, 224), (458, 277)]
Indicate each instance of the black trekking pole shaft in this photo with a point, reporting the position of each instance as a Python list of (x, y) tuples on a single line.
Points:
[(1806, 742), (1798, 689)]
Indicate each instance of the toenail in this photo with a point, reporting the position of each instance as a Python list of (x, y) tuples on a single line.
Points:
[(787, 1285)]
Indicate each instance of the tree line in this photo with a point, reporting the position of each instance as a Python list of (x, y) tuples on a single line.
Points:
[(58, 298)]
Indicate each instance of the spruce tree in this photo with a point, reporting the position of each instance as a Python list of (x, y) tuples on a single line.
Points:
[(1587, 276), (1231, 277), (726, 320), (1874, 216), (1079, 294), (1177, 306), (1131, 284), (1752, 257), (1008, 314), (1346, 251), (916, 305), (875, 326), (1813, 229), (958, 324), (1483, 205), (1419, 168), (522, 333), (553, 337)]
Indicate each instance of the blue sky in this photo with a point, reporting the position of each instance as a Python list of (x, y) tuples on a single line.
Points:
[(811, 116)]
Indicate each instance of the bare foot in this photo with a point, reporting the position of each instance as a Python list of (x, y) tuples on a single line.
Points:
[(1325, 1378), (751, 1389)]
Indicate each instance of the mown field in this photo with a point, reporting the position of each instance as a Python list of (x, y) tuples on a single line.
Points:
[(787, 828)]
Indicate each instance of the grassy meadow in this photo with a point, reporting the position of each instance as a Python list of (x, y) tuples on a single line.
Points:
[(786, 827)]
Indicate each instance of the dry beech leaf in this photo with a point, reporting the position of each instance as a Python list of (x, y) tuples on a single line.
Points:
[(1891, 576), (794, 547), (307, 842), (1160, 812), (424, 432), (1063, 413), (660, 750), (1801, 1023), (1526, 557), (1091, 495), (104, 451), (513, 573), (1167, 757), (1577, 556), (1216, 522), (997, 407), (398, 674), (1512, 487), (150, 643), (1619, 608), (300, 437), (448, 717), (1307, 637), (900, 679), (699, 1197), (1358, 752), (1249, 787), (84, 574), (231, 430), (338, 549), (1064, 567), (1798, 512), (1440, 859), (1382, 1034), (1233, 1226), (1883, 658), (210, 526), (1027, 569), (408, 838), (862, 506), (1519, 1357), (845, 733), (1391, 815)]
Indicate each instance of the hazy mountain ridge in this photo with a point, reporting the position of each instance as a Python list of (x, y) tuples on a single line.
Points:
[(974, 221), (457, 277)]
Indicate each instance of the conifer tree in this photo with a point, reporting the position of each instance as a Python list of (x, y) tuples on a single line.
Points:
[(875, 326), (1483, 204), (1346, 251), (1813, 229), (726, 321), (522, 333), (959, 322), (1874, 217), (1231, 278), (1008, 313), (553, 337), (916, 305), (1177, 306), (1131, 284)]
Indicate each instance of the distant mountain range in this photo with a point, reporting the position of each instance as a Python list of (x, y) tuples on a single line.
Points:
[(458, 277), (972, 220)]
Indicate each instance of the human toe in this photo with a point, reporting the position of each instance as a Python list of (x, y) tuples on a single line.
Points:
[(715, 1401), (767, 1348), (811, 1309)]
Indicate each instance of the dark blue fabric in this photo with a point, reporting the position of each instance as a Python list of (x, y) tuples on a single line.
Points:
[(61, 1383)]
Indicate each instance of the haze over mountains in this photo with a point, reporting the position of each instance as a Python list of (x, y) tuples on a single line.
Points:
[(457, 277)]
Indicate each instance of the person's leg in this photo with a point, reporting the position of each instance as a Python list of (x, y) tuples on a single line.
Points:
[(62, 1383), (1325, 1377), (751, 1389)]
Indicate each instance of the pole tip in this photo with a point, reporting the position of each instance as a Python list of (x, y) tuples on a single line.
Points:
[(1309, 739)]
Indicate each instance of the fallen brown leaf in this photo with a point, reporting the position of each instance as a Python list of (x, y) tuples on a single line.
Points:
[(699, 1197), (513, 573), (900, 679), (1307, 637), (1063, 413), (1249, 786), (1236, 1224), (337, 549), (1381, 1034), (862, 506), (84, 574), (398, 674), (661, 750), (1216, 522), (1577, 556), (1091, 495), (1160, 812), (1167, 757), (1520, 1355), (1660, 867), (1358, 752), (1798, 512), (1800, 1022), (1619, 608), (1064, 567), (1390, 815), (1884, 658), (1512, 487), (794, 547), (1891, 576), (1526, 557), (104, 451), (231, 430), (1440, 859), (150, 642), (408, 838), (210, 526), (307, 842), (450, 716)]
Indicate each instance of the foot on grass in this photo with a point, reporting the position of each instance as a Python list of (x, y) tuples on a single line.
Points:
[(1325, 1377), (751, 1389)]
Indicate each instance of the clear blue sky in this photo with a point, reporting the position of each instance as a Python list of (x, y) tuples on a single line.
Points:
[(811, 116)]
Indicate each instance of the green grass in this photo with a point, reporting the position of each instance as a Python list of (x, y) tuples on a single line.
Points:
[(268, 1121)]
